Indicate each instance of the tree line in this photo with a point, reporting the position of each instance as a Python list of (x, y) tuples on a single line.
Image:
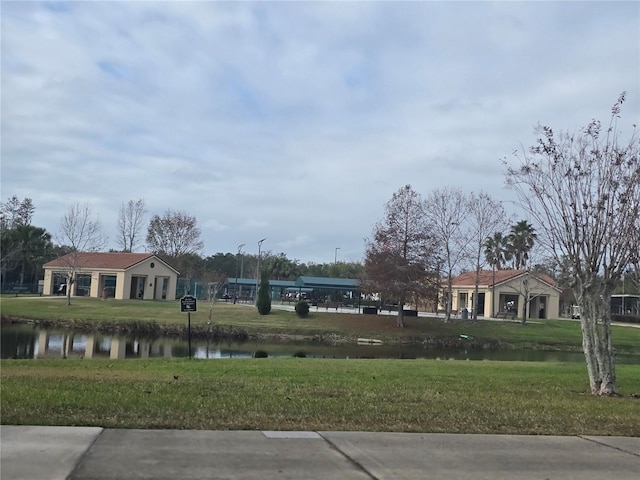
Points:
[(423, 242), (174, 236)]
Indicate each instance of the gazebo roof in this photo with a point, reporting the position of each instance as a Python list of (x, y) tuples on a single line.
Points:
[(486, 278), (103, 260)]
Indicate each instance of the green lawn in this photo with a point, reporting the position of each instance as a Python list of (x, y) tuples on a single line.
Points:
[(117, 315), (315, 394)]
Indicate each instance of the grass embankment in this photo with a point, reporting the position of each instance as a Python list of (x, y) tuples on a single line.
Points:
[(305, 394), (156, 318)]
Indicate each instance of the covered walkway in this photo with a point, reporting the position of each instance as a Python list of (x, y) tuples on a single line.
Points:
[(314, 289)]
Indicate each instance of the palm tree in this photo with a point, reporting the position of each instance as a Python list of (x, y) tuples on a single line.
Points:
[(496, 250), (521, 240), (497, 253)]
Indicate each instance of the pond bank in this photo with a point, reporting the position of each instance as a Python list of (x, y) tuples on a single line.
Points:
[(209, 332)]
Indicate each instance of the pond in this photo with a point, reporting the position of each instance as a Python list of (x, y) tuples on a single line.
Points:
[(19, 341)]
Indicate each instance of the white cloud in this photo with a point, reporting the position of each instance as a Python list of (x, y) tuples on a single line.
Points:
[(294, 121)]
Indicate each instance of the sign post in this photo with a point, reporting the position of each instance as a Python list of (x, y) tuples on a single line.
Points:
[(188, 304)]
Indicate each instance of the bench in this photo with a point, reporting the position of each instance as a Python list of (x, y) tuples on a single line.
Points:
[(16, 290), (328, 305), (505, 315)]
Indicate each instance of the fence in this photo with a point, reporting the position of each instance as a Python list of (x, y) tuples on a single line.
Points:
[(21, 288), (197, 288)]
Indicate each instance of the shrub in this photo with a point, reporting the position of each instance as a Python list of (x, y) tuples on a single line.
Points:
[(264, 297), (302, 309)]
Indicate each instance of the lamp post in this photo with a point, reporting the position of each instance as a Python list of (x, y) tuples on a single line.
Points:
[(335, 256), (235, 288), (258, 269), (624, 312), (242, 265)]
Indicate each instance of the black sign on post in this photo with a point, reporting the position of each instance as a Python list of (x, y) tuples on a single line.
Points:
[(188, 304)]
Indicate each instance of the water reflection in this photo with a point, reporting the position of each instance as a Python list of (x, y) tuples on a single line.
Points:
[(27, 342), (65, 345)]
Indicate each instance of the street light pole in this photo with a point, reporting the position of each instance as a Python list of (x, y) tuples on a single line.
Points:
[(624, 312), (258, 269), (335, 257), (235, 288)]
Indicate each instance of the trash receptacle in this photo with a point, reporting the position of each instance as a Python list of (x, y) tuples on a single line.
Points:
[(464, 314)]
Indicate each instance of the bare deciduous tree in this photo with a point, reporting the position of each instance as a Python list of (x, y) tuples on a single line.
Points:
[(583, 190), (486, 216), (634, 267), (130, 220), (174, 234), (447, 213), (81, 233), (399, 258), (15, 212)]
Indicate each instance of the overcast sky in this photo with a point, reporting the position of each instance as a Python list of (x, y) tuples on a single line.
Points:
[(293, 121)]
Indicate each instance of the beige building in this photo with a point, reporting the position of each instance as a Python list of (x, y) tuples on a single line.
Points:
[(141, 276), (502, 293)]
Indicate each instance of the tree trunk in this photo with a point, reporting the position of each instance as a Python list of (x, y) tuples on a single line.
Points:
[(525, 303), (400, 317), (22, 271), (476, 294), (595, 321), (449, 300), (68, 292)]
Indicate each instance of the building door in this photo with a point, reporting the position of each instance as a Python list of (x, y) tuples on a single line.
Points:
[(463, 298), (107, 286), (83, 285), (480, 305), (160, 288), (509, 303), (542, 307), (137, 288)]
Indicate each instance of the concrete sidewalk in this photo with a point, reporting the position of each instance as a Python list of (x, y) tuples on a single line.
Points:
[(82, 453)]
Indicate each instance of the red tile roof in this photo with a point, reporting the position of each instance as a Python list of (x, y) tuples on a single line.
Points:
[(112, 260), (501, 276)]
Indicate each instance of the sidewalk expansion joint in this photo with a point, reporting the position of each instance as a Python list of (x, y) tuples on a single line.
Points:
[(351, 460), (84, 454), (603, 444)]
